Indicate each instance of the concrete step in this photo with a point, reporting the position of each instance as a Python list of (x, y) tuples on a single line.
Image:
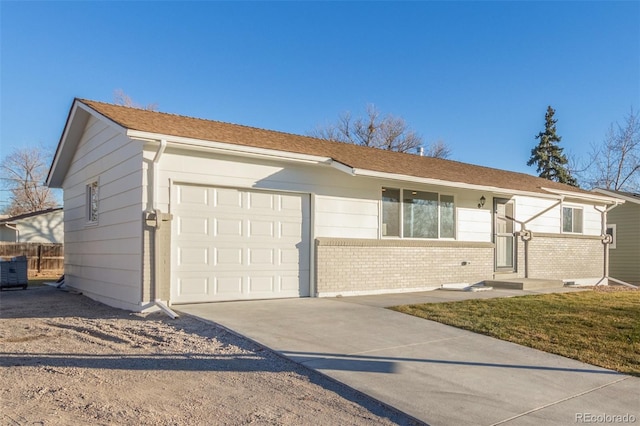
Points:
[(524, 283)]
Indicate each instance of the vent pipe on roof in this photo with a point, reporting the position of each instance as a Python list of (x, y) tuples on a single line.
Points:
[(421, 151)]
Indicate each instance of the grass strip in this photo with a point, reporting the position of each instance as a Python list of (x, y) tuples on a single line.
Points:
[(597, 327)]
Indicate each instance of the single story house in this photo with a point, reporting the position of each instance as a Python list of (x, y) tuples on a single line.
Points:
[(44, 226), (623, 224), (166, 209)]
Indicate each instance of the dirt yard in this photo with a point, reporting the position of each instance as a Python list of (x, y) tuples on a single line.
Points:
[(66, 359)]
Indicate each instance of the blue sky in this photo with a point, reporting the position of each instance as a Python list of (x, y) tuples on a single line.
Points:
[(477, 75)]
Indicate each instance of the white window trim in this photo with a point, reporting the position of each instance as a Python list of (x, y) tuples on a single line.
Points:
[(614, 235), (401, 212), (574, 207), (89, 221)]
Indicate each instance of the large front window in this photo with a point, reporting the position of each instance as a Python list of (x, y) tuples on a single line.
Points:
[(424, 214)]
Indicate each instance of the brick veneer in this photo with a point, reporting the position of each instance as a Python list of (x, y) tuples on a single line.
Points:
[(563, 256), (360, 266)]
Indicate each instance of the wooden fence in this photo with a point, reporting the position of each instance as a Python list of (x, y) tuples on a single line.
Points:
[(42, 258)]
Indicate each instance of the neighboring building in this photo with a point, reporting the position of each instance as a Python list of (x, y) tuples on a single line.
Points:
[(44, 226), (623, 223), (179, 209)]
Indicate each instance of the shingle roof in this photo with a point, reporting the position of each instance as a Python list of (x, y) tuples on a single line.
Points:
[(354, 156), (31, 214)]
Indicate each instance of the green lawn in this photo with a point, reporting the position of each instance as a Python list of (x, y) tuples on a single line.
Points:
[(40, 281), (597, 327)]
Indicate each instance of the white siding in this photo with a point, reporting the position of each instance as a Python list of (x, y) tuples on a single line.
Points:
[(342, 217), (474, 224), (550, 222), (104, 260), (344, 206), (528, 207), (43, 228)]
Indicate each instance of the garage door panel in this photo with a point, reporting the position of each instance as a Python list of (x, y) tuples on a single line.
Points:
[(229, 257), (290, 205), (261, 284), (261, 228), (228, 227), (227, 198), (191, 286), (290, 229), (193, 195), (260, 201), (261, 256), (290, 283), (243, 244), (289, 258), (228, 285), (193, 256), (193, 225)]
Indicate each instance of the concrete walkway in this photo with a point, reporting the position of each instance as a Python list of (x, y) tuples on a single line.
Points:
[(433, 372)]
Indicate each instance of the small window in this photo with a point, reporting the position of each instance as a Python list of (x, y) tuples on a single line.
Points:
[(92, 202), (611, 230), (390, 212), (447, 217), (572, 220)]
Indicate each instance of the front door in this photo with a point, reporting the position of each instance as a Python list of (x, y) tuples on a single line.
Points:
[(503, 236)]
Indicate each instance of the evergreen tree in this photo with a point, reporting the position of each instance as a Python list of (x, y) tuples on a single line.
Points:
[(548, 156)]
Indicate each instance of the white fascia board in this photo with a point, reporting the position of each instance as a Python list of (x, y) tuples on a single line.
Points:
[(343, 167), (451, 184), (586, 197), (227, 148), (71, 134), (620, 196)]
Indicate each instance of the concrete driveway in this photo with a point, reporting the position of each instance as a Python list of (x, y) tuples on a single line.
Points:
[(436, 373)]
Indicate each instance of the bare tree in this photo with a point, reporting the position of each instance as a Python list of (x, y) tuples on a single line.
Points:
[(378, 131), (615, 164), (23, 173), (121, 98), (438, 149)]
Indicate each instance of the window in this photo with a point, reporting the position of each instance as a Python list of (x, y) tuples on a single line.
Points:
[(611, 230), (572, 220), (424, 214), (447, 217), (390, 212), (92, 202)]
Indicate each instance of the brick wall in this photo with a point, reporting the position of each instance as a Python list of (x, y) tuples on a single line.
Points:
[(358, 266), (562, 256)]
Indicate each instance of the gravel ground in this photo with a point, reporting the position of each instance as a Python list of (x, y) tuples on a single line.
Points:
[(65, 359)]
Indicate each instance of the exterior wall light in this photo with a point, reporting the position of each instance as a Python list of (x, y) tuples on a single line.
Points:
[(482, 200)]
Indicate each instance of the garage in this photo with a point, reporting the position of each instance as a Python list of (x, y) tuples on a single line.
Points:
[(239, 244)]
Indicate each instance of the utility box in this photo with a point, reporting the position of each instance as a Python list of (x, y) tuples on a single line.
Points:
[(13, 273)]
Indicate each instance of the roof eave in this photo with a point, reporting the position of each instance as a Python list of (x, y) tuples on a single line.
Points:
[(451, 184), (586, 197), (232, 149), (74, 127), (619, 196)]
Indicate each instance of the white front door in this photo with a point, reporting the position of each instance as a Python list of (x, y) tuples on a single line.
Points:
[(235, 244)]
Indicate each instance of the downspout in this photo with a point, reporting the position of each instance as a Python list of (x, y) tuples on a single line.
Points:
[(527, 235), (157, 214), (606, 241)]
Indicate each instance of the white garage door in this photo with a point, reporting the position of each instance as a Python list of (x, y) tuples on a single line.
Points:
[(233, 244)]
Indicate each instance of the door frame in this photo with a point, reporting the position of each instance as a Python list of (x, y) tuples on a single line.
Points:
[(509, 236)]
